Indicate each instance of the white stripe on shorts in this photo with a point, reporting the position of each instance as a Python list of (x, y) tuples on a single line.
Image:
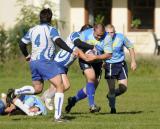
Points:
[(124, 72)]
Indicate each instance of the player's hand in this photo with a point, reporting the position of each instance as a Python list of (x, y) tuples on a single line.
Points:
[(75, 53), (133, 65), (28, 58), (90, 57)]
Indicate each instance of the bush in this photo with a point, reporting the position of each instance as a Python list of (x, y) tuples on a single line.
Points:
[(3, 44)]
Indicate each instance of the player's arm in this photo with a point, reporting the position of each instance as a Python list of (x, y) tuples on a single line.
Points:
[(104, 56), (63, 45), (133, 60), (85, 57), (23, 48), (83, 45), (10, 108), (23, 44), (129, 45)]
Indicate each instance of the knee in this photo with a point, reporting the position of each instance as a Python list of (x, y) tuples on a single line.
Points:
[(67, 87), (122, 88), (38, 90)]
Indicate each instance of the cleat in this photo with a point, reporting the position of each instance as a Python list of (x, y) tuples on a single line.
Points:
[(49, 103), (113, 111), (71, 102), (10, 96), (60, 120), (94, 109)]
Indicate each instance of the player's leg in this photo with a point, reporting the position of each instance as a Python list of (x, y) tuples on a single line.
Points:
[(111, 95), (122, 87), (66, 82), (122, 80), (48, 96), (110, 76), (59, 95), (22, 106)]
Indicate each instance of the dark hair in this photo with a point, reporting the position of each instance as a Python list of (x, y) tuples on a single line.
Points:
[(85, 27), (45, 16)]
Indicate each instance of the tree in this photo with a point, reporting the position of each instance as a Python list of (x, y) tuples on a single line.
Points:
[(3, 44), (27, 18)]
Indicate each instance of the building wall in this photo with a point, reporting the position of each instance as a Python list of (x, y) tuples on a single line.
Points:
[(8, 12), (157, 18), (77, 14), (65, 11), (143, 41), (119, 15)]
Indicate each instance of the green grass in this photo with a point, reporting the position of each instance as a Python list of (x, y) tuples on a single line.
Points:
[(139, 108)]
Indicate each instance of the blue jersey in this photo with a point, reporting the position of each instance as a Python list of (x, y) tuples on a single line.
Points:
[(103, 45), (64, 58), (32, 100), (119, 41), (42, 38)]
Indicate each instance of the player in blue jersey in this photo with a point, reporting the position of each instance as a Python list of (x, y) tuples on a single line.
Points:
[(92, 71), (64, 59), (43, 38), (31, 105), (116, 67)]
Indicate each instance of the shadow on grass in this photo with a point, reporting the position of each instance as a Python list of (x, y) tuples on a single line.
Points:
[(119, 113), (101, 113)]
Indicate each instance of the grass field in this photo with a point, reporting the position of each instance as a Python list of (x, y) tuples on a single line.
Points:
[(139, 108)]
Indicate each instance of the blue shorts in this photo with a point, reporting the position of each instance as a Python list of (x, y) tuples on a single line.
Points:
[(117, 71), (96, 66), (44, 69), (62, 68)]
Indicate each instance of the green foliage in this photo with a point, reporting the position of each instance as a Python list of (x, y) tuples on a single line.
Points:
[(136, 23), (27, 18), (99, 19), (3, 44)]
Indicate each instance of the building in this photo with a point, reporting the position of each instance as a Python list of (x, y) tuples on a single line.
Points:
[(135, 18)]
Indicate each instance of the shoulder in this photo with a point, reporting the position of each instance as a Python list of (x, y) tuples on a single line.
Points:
[(120, 35)]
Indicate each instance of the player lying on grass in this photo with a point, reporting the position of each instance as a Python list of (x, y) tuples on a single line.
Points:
[(30, 105)]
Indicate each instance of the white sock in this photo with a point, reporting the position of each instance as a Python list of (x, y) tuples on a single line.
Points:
[(58, 102), (23, 107), (24, 90), (48, 94)]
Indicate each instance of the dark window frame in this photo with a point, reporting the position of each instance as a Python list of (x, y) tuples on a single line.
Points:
[(130, 29)]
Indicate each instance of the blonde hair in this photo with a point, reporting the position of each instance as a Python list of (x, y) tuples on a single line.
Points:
[(110, 26)]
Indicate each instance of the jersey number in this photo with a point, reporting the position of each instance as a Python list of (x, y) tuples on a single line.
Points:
[(37, 40)]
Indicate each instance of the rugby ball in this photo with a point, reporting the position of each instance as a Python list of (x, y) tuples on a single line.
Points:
[(91, 51)]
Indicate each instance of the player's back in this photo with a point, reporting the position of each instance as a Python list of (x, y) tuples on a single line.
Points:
[(41, 37), (64, 58)]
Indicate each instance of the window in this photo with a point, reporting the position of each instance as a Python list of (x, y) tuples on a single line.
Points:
[(97, 9), (141, 15)]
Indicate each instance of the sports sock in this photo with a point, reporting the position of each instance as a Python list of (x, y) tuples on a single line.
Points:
[(112, 100), (120, 90), (90, 90), (48, 94), (24, 90), (58, 102), (80, 95), (23, 107)]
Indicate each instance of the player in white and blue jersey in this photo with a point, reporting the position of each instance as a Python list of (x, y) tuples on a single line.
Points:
[(116, 67), (43, 38), (98, 37), (31, 105), (64, 59)]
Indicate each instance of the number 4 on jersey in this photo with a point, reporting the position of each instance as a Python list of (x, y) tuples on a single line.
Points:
[(37, 40)]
